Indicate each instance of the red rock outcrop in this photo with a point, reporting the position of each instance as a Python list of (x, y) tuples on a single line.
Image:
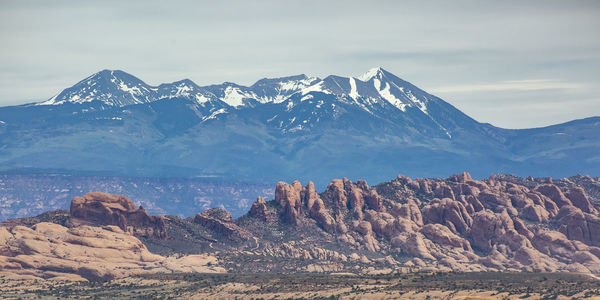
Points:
[(577, 225), (343, 196), (449, 213), (580, 200), (440, 234), (410, 210), (554, 193), (503, 223), (108, 209), (320, 213), (490, 229), (259, 209), (459, 223), (535, 213), (288, 197), (220, 221)]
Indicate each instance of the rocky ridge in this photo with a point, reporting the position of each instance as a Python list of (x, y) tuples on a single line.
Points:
[(503, 223)]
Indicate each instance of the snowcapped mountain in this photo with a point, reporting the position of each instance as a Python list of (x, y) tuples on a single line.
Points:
[(279, 89), (117, 88), (114, 88), (376, 92), (372, 126)]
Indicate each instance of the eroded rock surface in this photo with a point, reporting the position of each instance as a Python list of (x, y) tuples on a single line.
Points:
[(220, 221), (503, 223), (51, 251), (107, 209)]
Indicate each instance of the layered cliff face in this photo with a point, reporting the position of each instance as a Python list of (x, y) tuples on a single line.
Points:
[(504, 223)]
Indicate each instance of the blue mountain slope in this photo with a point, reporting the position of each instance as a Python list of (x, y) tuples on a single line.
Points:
[(373, 127)]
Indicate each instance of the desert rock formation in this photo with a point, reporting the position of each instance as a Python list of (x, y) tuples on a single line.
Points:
[(221, 222), (107, 209), (51, 251), (503, 223)]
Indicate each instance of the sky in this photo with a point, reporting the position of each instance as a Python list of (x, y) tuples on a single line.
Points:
[(514, 64)]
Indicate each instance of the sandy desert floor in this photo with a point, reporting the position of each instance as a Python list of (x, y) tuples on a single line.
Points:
[(315, 286)]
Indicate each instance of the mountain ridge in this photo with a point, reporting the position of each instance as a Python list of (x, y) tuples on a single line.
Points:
[(130, 85), (278, 129)]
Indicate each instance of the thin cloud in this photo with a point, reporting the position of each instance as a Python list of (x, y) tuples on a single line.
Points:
[(511, 85)]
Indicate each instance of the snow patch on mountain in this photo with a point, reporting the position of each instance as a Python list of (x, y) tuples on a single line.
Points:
[(183, 90), (307, 97), (420, 104), (388, 96), (201, 98), (233, 96), (134, 91), (353, 91), (372, 73), (295, 85), (318, 87), (214, 114), (289, 106)]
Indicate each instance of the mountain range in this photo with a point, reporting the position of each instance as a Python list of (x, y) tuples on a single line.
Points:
[(372, 127)]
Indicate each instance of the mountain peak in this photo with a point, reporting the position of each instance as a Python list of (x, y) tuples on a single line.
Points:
[(377, 72), (183, 82), (113, 76), (118, 88), (277, 80), (111, 87), (107, 73)]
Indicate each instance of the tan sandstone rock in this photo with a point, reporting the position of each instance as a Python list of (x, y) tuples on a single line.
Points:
[(50, 251)]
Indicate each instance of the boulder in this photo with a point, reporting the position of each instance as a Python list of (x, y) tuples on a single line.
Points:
[(490, 229), (535, 213), (580, 200), (447, 212), (440, 234), (577, 225), (410, 210), (554, 193), (412, 244)]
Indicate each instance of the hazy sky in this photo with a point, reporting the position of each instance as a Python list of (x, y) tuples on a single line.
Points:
[(513, 64)]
